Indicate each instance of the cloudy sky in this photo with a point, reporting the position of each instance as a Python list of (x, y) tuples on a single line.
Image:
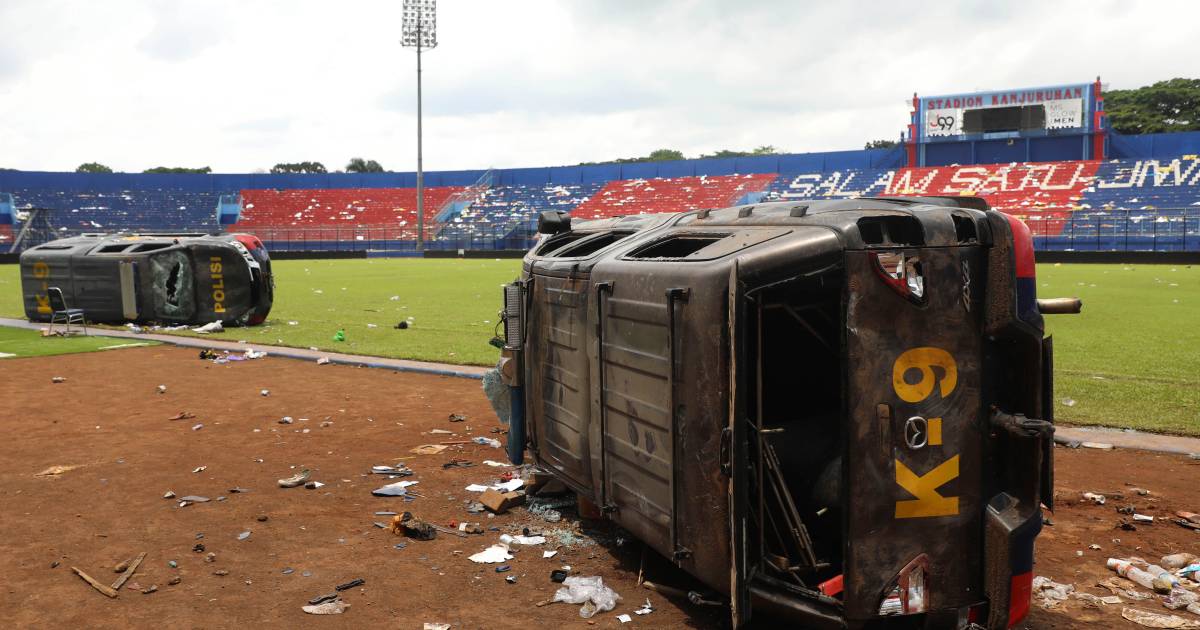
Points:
[(241, 85)]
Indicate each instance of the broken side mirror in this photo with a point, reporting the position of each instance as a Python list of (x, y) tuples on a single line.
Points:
[(553, 222)]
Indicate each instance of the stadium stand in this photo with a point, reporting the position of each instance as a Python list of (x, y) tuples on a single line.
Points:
[(1149, 203), (674, 194), (146, 210), (337, 206)]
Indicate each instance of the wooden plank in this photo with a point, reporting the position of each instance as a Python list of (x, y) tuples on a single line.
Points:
[(107, 590), (116, 586)]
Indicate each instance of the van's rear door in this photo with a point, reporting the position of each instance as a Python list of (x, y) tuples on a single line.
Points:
[(913, 473)]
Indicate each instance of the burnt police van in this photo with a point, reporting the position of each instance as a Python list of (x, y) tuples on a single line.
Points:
[(837, 411), (165, 278)]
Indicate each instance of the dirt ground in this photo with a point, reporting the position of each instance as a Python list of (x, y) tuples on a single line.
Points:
[(109, 418)]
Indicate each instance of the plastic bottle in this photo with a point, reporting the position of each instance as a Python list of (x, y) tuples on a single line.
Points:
[(1178, 560), (1130, 572), (1164, 580)]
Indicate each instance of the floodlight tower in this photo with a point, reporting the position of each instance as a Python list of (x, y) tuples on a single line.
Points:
[(419, 30)]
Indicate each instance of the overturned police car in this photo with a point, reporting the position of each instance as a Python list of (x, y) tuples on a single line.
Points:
[(165, 278), (837, 411)]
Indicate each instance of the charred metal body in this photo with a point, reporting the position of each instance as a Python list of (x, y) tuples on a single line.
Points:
[(834, 409), (167, 278)]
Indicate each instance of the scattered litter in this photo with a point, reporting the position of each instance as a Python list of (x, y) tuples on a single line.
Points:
[(162, 389), (624, 618), (457, 417), (192, 498), (529, 540), (504, 568), (349, 585), (440, 432), (1068, 402), (244, 535), (1096, 600), (589, 591), (1156, 620), (286, 420), (323, 361), (254, 354), (182, 415), (1049, 593), (1143, 518), (500, 502), (492, 442), (408, 525), (428, 449), (313, 485), (457, 463), (549, 554), (1097, 445), (558, 575), (264, 392), (1098, 499), (199, 469), (1179, 598), (213, 327), (198, 426), (493, 554), (648, 608), (169, 494), (297, 479), (237, 490), (58, 379), (399, 469), (496, 464), (57, 470), (433, 625), (393, 489), (339, 335), (335, 607), (511, 579)]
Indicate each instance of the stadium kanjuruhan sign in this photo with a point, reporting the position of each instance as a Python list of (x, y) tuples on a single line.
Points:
[(1065, 107)]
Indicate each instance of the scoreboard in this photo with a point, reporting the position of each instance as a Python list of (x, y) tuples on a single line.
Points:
[(1008, 113)]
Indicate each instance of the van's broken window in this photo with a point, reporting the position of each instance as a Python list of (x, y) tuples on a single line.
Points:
[(677, 246), (556, 242), (173, 285), (590, 246)]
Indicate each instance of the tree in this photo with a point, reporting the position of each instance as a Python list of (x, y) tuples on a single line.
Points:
[(664, 155), (299, 167), (93, 167), (765, 149), (1166, 106), (178, 170), (880, 144), (359, 165)]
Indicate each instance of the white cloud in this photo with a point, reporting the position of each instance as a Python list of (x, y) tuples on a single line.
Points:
[(242, 85)]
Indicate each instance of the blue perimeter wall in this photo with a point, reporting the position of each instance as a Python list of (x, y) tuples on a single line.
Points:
[(1149, 146)]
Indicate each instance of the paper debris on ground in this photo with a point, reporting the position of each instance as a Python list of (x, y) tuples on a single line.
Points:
[(494, 554), (529, 540), (506, 486), (646, 608), (624, 618), (214, 327), (1157, 620), (393, 489), (428, 449), (549, 554), (58, 470), (497, 464), (433, 625), (336, 607)]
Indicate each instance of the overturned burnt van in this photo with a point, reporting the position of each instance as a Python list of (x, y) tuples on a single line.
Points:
[(166, 278), (836, 411)]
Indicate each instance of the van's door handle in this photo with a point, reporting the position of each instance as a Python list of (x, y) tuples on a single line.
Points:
[(726, 456), (1020, 426)]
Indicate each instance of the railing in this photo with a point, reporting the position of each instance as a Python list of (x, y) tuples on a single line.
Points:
[(1158, 230), (392, 238)]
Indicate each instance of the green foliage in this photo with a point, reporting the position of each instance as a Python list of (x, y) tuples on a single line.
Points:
[(664, 155), (299, 167), (92, 167), (880, 144), (178, 170), (766, 149), (1166, 106), (359, 165)]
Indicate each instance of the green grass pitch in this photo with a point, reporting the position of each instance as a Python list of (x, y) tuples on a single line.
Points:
[(1131, 359)]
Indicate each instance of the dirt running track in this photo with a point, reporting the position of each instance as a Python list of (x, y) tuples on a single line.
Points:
[(109, 418)]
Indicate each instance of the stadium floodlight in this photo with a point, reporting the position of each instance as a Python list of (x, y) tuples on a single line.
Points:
[(418, 29)]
